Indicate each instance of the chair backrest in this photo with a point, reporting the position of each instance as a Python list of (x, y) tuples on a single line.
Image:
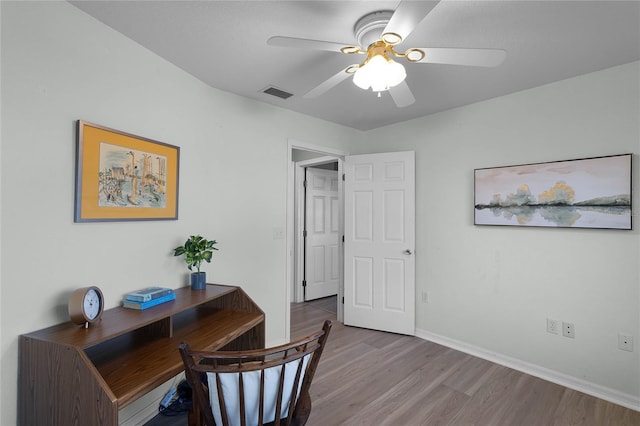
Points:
[(248, 388)]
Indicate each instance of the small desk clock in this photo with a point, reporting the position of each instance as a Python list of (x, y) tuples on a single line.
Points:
[(86, 305)]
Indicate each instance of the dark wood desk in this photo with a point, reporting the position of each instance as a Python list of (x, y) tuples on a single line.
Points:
[(69, 375)]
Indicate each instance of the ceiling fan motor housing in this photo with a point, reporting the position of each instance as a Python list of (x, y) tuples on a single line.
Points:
[(369, 28)]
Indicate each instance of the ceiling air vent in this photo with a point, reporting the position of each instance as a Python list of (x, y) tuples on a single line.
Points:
[(277, 92)]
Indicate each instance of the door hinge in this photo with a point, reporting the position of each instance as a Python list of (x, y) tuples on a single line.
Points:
[(304, 233), (343, 300), (304, 183), (304, 283), (343, 176), (343, 238)]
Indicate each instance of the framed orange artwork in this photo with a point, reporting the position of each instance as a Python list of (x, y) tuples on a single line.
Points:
[(123, 177)]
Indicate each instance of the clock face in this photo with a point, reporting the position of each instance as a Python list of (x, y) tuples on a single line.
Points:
[(92, 304), (86, 305)]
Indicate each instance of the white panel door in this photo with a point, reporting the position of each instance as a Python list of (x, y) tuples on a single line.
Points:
[(379, 279), (322, 224)]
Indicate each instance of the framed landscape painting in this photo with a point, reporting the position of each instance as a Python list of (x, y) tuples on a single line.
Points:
[(582, 193), (122, 177)]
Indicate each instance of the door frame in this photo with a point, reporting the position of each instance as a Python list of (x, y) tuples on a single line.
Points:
[(294, 243)]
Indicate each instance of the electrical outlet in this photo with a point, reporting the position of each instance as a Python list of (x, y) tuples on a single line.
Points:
[(553, 326), (425, 297), (568, 330), (625, 342)]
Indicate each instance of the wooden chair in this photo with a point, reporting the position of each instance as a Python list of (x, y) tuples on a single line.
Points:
[(264, 386)]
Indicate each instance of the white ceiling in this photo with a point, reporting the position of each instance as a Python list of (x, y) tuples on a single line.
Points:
[(223, 43)]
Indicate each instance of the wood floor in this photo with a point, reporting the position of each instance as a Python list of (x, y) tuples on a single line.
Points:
[(367, 377)]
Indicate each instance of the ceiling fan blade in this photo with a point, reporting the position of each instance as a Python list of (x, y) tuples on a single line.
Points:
[(457, 56), (328, 84), (407, 16), (402, 95), (304, 43)]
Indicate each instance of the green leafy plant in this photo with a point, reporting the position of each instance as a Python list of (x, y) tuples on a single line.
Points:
[(195, 250)]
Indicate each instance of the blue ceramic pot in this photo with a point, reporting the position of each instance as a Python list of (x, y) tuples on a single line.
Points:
[(198, 280)]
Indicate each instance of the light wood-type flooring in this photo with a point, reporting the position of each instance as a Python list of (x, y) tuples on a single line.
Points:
[(368, 377)]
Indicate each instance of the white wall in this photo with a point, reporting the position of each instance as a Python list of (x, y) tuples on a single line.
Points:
[(60, 65), (492, 288)]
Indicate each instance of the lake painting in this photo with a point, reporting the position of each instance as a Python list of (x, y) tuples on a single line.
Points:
[(583, 193)]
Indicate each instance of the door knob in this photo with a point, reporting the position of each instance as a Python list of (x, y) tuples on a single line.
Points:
[(407, 251)]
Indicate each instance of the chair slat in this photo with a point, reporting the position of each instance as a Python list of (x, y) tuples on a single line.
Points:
[(242, 412), (280, 391), (221, 402), (261, 405), (294, 393)]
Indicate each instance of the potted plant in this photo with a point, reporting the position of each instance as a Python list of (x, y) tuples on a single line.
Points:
[(195, 250)]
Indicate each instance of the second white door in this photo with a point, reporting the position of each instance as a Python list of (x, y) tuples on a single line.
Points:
[(322, 263)]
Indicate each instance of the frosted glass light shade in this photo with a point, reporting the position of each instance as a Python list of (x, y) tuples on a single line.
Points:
[(379, 74)]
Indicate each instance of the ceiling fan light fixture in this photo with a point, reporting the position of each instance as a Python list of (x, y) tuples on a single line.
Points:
[(349, 50), (379, 73), (391, 38), (414, 55), (351, 69)]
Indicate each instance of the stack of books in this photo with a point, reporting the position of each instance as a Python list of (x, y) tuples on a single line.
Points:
[(148, 297)]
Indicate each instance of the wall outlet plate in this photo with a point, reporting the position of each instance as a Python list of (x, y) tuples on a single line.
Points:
[(625, 342), (553, 326), (568, 330)]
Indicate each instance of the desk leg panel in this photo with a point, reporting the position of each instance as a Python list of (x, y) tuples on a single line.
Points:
[(59, 386)]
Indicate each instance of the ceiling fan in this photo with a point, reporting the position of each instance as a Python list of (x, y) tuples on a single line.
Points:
[(379, 33)]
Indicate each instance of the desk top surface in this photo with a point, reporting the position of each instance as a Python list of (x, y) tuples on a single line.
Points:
[(117, 321)]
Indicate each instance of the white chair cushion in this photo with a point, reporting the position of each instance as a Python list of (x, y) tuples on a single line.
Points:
[(251, 382)]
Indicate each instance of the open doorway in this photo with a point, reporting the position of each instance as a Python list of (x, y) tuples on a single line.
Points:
[(304, 157)]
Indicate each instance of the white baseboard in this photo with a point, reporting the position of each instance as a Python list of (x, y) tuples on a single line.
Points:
[(602, 392)]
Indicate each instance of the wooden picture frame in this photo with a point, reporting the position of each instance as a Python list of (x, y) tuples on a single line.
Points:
[(123, 177), (582, 193)]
